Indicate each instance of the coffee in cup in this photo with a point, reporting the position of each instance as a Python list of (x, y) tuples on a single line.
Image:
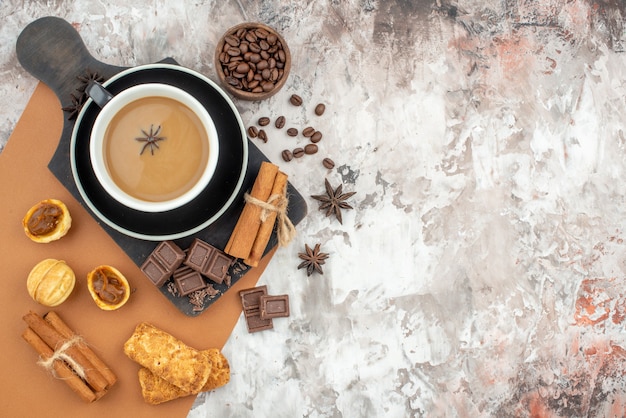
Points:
[(153, 147)]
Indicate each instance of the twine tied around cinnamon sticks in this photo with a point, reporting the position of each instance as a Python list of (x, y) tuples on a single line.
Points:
[(266, 202), (73, 362), (277, 203), (61, 354)]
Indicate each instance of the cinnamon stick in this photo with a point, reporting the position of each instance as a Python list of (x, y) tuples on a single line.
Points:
[(242, 238), (54, 340), (61, 369), (62, 328), (265, 230)]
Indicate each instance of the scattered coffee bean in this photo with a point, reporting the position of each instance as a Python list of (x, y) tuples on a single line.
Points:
[(328, 163), (247, 52), (310, 149), (298, 152), (292, 132), (280, 122), (253, 132), (264, 121), (319, 109), (262, 135), (295, 100), (287, 155), (316, 137), (308, 131)]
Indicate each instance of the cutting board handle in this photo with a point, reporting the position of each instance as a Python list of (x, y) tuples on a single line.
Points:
[(52, 51)]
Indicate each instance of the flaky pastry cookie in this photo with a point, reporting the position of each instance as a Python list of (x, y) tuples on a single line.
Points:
[(156, 390), (168, 357)]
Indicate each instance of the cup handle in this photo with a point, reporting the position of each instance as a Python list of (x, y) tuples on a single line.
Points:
[(98, 94)]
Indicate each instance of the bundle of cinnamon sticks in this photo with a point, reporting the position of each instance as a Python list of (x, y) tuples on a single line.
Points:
[(266, 202), (67, 356)]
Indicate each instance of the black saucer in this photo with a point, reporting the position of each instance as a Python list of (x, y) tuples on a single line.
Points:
[(212, 202)]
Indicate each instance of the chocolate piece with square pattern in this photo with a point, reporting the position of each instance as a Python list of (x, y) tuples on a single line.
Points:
[(199, 255), (154, 271), (218, 267), (251, 302), (188, 280), (274, 306), (162, 262)]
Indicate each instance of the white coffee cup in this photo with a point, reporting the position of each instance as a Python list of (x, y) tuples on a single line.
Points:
[(153, 147)]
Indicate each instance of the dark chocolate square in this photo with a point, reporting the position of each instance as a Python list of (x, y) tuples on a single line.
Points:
[(169, 254), (274, 306), (154, 271), (218, 268), (199, 255), (251, 302), (251, 298), (255, 323), (188, 280)]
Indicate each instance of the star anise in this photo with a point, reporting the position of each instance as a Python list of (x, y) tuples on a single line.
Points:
[(334, 200), (313, 259), (150, 138), (79, 99), (87, 77), (77, 104)]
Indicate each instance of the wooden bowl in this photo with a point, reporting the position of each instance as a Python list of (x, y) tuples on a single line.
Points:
[(252, 61)]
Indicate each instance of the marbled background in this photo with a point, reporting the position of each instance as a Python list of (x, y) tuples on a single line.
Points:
[(482, 270)]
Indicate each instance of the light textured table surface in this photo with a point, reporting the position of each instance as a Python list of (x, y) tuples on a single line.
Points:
[(482, 270)]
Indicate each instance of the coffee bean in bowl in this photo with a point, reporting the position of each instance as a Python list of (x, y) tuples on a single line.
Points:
[(252, 61)]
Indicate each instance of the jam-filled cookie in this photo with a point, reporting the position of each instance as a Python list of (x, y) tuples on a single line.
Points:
[(108, 287), (47, 221)]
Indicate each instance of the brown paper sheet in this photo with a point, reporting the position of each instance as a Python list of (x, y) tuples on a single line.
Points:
[(27, 389)]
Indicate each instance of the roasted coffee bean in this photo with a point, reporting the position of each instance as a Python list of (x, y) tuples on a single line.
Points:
[(275, 75), (253, 132), (232, 40), (233, 51), (234, 82), (298, 152), (292, 132), (261, 33), (280, 122), (319, 109), (316, 137), (243, 68), (254, 47), (295, 100), (328, 163), (310, 149), (287, 155), (308, 131), (250, 37), (263, 135), (263, 121)]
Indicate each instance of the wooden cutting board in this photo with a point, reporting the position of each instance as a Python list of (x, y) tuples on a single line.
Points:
[(48, 48)]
